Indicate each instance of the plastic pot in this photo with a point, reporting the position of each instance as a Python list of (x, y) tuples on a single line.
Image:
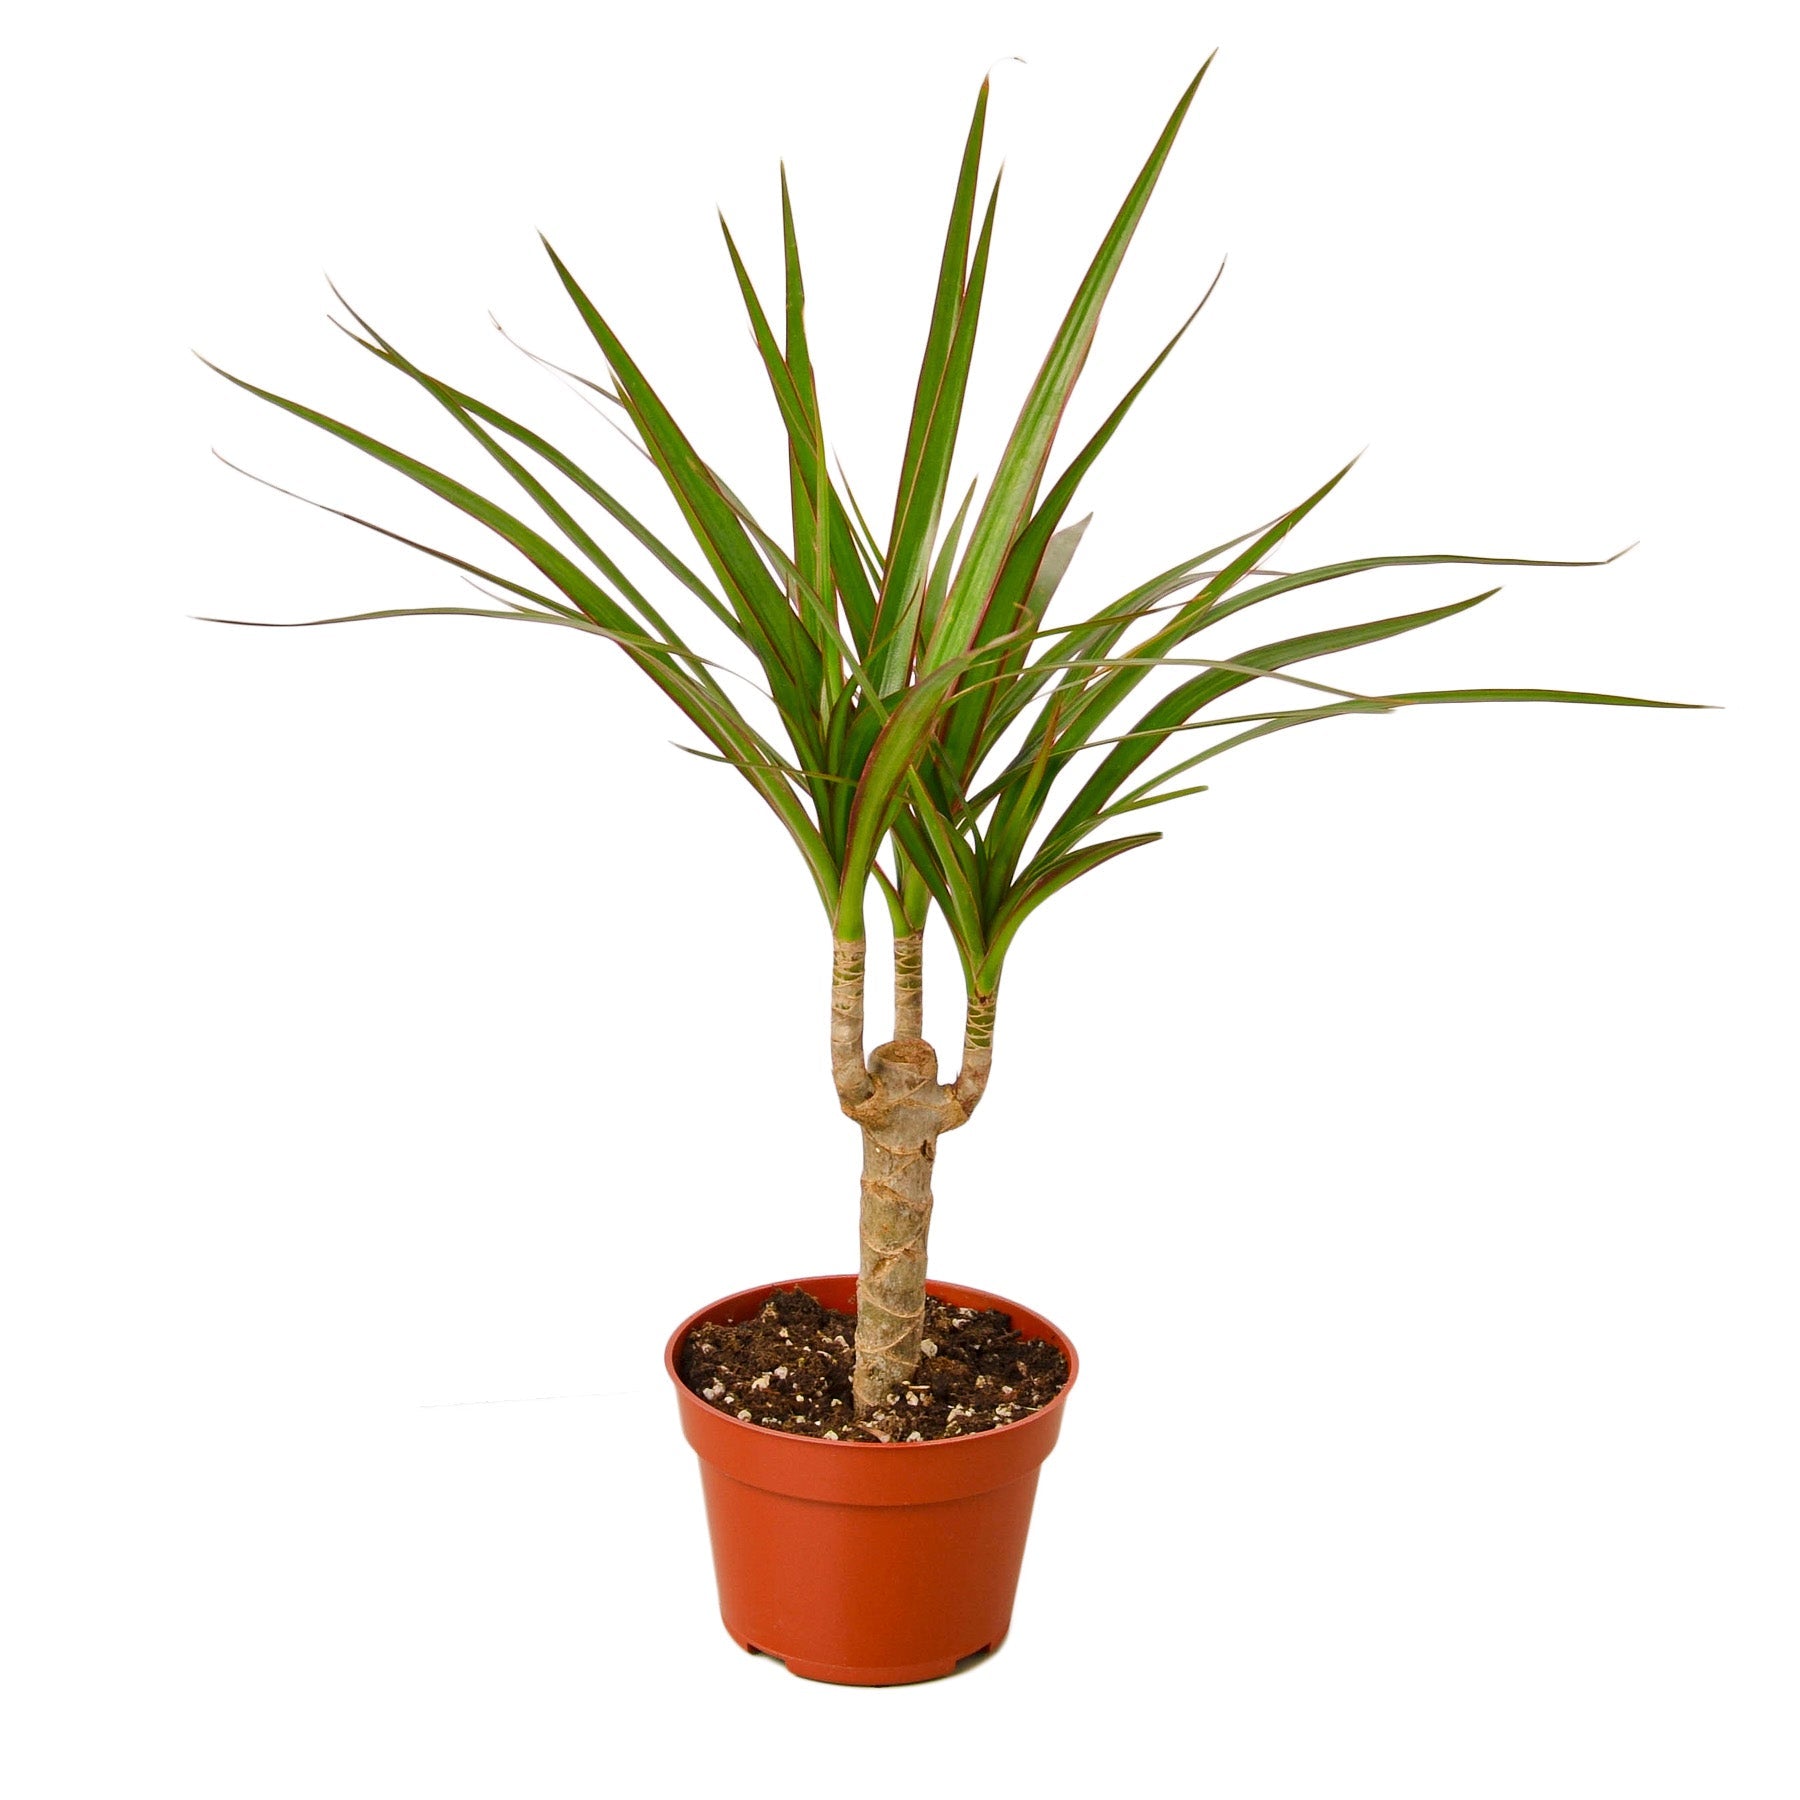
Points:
[(869, 1564)]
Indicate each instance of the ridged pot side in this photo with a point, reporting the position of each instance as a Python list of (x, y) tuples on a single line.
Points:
[(870, 1564)]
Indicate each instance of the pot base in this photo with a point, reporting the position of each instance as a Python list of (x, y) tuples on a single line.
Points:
[(847, 1675)]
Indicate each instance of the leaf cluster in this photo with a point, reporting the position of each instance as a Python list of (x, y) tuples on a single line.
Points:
[(932, 722)]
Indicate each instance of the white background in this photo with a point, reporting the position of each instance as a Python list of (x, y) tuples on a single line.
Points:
[(402, 1038)]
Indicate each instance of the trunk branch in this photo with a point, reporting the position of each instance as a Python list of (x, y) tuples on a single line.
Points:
[(909, 985), (971, 1081), (847, 1071)]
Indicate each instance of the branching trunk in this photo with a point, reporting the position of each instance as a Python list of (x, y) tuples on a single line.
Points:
[(903, 1109)]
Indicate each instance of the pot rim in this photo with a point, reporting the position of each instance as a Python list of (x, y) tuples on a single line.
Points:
[(938, 1290)]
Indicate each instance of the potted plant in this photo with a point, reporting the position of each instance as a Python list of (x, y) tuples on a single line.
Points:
[(932, 731)]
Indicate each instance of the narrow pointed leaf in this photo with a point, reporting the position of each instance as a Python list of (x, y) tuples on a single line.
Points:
[(1033, 893), (1562, 696), (942, 862), (586, 592), (881, 785), (786, 654), (946, 304), (1225, 606), (906, 574), (546, 502), (966, 736), (1022, 594), (939, 584), (867, 548), (704, 706), (1014, 492), (443, 556), (798, 404), (1181, 703), (1102, 693)]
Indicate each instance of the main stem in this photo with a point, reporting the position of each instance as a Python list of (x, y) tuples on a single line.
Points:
[(895, 1097)]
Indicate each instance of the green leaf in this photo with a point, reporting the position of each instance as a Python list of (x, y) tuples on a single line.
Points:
[(1279, 722), (518, 614), (881, 787), (546, 502), (901, 602), (573, 472), (1182, 702), (444, 556), (1103, 692), (868, 551), (799, 358), (966, 738), (1144, 795), (939, 584), (1031, 894), (797, 400), (1563, 696), (946, 304), (1226, 605), (800, 777), (1095, 636), (587, 594), (890, 892), (1014, 492), (804, 586), (1033, 569), (705, 707), (1125, 806), (1004, 849), (774, 634), (944, 864)]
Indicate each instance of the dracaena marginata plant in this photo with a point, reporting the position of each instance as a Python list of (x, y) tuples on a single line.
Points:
[(932, 736)]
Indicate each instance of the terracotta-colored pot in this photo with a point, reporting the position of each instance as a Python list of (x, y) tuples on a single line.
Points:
[(867, 1563)]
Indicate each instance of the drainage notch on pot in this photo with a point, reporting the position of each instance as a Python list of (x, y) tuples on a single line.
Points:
[(864, 1563)]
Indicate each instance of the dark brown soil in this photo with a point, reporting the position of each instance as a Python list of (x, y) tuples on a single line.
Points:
[(789, 1368)]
